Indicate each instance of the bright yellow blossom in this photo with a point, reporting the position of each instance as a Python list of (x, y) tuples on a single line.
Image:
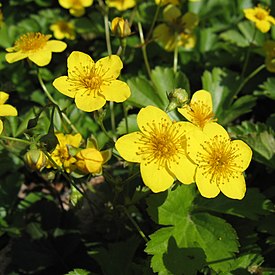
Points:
[(260, 16), (76, 7), (36, 47), (165, 2), (220, 161), (5, 109), (121, 5), (199, 111), (269, 48), (90, 83), (159, 147), (63, 29), (120, 27), (61, 154), (91, 160), (176, 30)]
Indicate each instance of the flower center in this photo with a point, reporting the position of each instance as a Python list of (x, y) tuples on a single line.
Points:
[(31, 42), (200, 113), (88, 79), (218, 159), (260, 14), (161, 143)]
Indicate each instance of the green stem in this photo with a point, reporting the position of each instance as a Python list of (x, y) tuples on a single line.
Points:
[(44, 88), (256, 71), (176, 58), (141, 233), (153, 22), (16, 139), (107, 33), (143, 48)]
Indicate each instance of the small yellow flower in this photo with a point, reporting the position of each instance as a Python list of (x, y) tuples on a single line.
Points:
[(61, 154), (91, 160), (35, 159), (35, 46), (120, 27), (199, 111), (90, 83), (260, 17), (121, 5), (62, 29), (5, 109), (76, 7), (165, 2), (159, 147), (269, 48), (176, 30), (220, 161)]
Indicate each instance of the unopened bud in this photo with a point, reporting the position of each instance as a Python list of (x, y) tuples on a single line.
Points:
[(35, 159), (177, 98), (120, 27)]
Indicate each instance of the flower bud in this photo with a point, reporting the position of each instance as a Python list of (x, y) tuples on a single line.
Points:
[(120, 27), (35, 159), (177, 98)]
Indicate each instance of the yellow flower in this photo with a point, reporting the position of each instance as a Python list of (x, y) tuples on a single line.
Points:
[(199, 111), (76, 7), (35, 159), (61, 154), (35, 46), (269, 48), (220, 161), (159, 147), (5, 109), (120, 27), (90, 83), (261, 17), (91, 160), (63, 29), (121, 5), (176, 30), (165, 2)]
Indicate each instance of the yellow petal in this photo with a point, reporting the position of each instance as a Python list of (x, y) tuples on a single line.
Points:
[(214, 129), (1, 126), (165, 36), (149, 115), (117, 91), (157, 178), (89, 103), (65, 4), (234, 188), (244, 154), (184, 170), (7, 110), (77, 12), (74, 140), (55, 46), (206, 188), (109, 67), (263, 25), (3, 97), (189, 20), (204, 97), (16, 56), (79, 61), (128, 147), (64, 86), (86, 3), (170, 13), (41, 58)]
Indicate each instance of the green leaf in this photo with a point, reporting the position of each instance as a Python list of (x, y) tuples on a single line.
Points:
[(132, 125), (79, 271), (199, 238), (260, 138), (208, 39), (268, 88), (235, 37)]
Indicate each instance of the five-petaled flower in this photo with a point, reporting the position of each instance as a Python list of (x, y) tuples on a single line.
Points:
[(36, 47), (5, 109), (76, 7), (176, 30), (63, 29), (159, 147), (121, 5), (220, 161), (200, 110), (90, 83), (261, 17), (61, 155)]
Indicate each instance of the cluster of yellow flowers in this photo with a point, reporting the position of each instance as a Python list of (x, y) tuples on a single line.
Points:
[(200, 151)]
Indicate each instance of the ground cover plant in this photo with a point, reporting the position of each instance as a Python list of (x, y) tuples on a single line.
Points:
[(137, 137)]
